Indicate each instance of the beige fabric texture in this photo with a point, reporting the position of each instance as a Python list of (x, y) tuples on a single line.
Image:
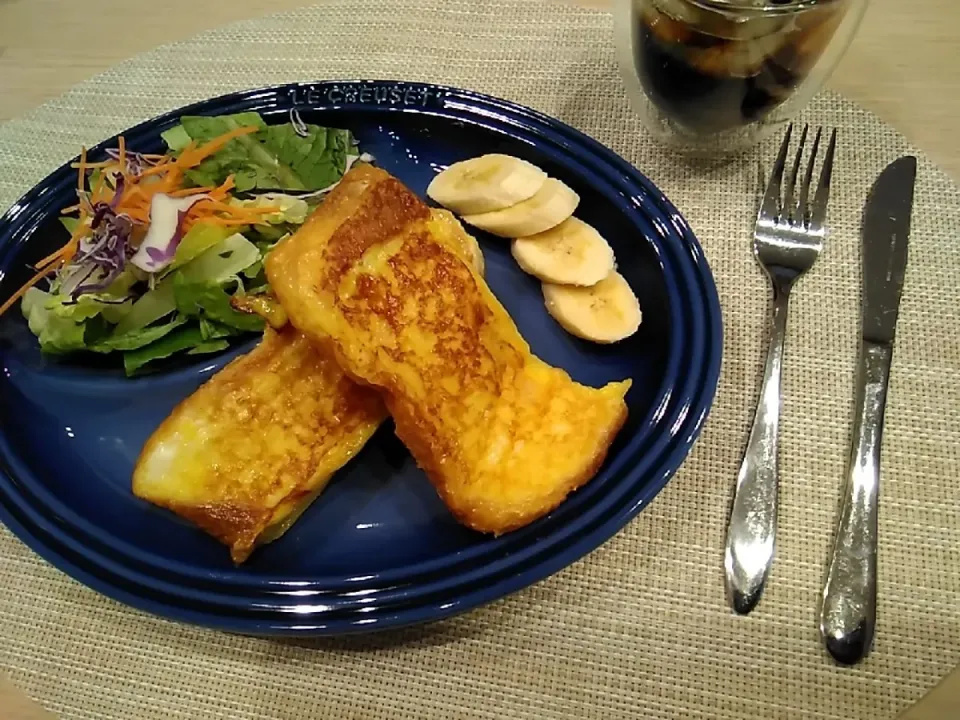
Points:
[(640, 628)]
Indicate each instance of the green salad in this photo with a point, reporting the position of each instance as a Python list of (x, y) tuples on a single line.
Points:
[(162, 245)]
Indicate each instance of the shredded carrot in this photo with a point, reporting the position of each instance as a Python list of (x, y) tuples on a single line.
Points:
[(165, 176), (71, 209), (131, 194), (192, 220), (94, 166), (82, 166), (22, 291), (161, 167), (230, 221), (51, 258), (221, 192), (74, 239), (68, 251), (187, 192), (192, 157), (210, 204)]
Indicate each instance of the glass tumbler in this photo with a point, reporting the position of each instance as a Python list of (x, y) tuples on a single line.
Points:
[(715, 76)]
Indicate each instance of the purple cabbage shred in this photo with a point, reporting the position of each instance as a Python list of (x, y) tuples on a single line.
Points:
[(136, 163), (102, 256)]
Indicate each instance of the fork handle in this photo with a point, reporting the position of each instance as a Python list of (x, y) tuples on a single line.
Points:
[(849, 609), (751, 532)]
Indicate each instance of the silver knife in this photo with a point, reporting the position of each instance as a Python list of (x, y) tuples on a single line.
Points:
[(849, 608)]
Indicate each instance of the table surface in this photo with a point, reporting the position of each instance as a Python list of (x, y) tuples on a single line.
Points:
[(903, 66)]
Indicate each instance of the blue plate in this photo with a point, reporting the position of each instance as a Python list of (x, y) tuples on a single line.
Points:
[(378, 549)]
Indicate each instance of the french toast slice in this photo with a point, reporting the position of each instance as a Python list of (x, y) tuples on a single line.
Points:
[(376, 276), (246, 453)]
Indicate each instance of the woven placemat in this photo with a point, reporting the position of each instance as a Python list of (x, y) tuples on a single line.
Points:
[(640, 628)]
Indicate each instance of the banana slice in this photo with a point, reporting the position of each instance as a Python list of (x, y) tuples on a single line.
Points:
[(605, 313), (572, 253), (486, 183), (552, 204)]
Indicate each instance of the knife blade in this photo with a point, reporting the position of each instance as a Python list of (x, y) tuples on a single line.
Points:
[(884, 233), (849, 606)]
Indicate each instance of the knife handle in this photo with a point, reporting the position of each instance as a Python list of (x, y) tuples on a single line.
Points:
[(849, 608)]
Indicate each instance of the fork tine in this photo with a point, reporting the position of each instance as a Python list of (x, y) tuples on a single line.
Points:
[(771, 199), (808, 176), (788, 206), (819, 214)]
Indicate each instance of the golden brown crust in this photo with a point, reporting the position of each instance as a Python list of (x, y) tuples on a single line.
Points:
[(387, 208), (234, 526), (502, 436), (575, 481), (268, 429)]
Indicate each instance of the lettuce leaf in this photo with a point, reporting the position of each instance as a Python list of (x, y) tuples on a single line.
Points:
[(204, 321), (183, 338), (266, 236), (222, 262), (176, 138), (209, 346), (291, 209), (273, 158), (215, 266), (58, 333), (151, 307), (137, 338), (213, 330), (200, 238), (212, 302), (65, 327)]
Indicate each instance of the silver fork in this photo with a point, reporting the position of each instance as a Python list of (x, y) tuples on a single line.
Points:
[(787, 240)]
